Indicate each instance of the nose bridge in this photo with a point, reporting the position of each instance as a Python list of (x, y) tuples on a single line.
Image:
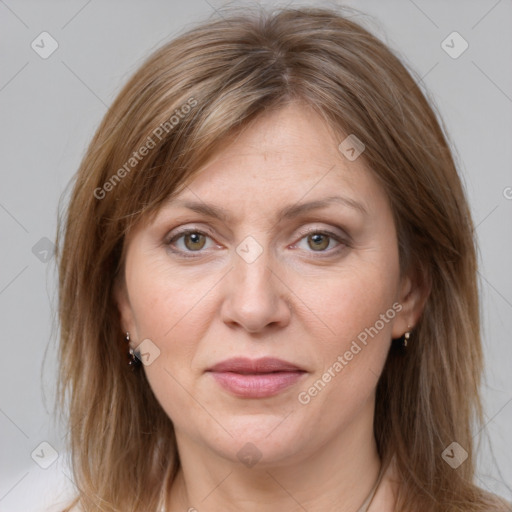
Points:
[(252, 270), (254, 298)]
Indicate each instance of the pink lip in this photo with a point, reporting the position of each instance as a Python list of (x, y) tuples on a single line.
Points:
[(255, 378)]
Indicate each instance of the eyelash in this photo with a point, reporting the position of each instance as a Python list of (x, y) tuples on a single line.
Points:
[(303, 234)]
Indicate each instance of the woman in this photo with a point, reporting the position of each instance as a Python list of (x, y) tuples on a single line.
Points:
[(269, 224)]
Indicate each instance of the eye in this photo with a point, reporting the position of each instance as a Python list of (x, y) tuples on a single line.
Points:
[(320, 241), (190, 240)]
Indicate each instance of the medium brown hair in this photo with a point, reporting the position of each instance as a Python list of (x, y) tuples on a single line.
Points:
[(229, 71)]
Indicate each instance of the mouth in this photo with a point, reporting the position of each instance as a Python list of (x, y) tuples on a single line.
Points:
[(256, 378)]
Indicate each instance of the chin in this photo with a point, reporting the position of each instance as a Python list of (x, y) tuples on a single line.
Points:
[(262, 439)]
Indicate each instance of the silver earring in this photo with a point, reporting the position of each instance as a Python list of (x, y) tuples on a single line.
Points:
[(406, 338), (133, 360)]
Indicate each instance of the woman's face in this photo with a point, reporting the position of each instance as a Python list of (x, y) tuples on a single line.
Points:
[(291, 254)]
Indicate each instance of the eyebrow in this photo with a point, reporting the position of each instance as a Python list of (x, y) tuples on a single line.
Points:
[(288, 212)]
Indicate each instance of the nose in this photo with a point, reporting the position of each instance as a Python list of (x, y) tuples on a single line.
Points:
[(255, 298)]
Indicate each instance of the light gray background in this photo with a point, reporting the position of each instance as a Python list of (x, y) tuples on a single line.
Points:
[(51, 107)]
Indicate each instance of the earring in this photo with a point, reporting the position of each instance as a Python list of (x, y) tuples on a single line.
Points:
[(133, 360), (406, 338)]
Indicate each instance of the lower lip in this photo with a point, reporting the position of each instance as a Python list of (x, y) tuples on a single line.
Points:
[(256, 385)]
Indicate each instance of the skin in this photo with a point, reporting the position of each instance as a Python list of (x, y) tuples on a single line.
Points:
[(297, 301)]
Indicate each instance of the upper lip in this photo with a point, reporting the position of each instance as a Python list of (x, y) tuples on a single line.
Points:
[(262, 365)]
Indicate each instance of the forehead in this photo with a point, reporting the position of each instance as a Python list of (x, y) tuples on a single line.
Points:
[(282, 160), (287, 154), (265, 173)]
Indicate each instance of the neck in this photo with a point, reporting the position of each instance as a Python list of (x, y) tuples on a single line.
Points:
[(338, 475)]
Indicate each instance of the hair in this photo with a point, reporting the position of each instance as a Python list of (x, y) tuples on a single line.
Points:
[(187, 98)]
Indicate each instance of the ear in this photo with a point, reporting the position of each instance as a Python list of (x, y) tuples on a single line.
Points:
[(415, 287), (122, 300)]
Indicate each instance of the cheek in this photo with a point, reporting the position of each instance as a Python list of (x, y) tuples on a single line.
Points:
[(163, 300), (345, 303), (173, 311), (356, 308)]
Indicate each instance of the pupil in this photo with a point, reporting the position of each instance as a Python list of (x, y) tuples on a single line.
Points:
[(319, 241), (194, 241)]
